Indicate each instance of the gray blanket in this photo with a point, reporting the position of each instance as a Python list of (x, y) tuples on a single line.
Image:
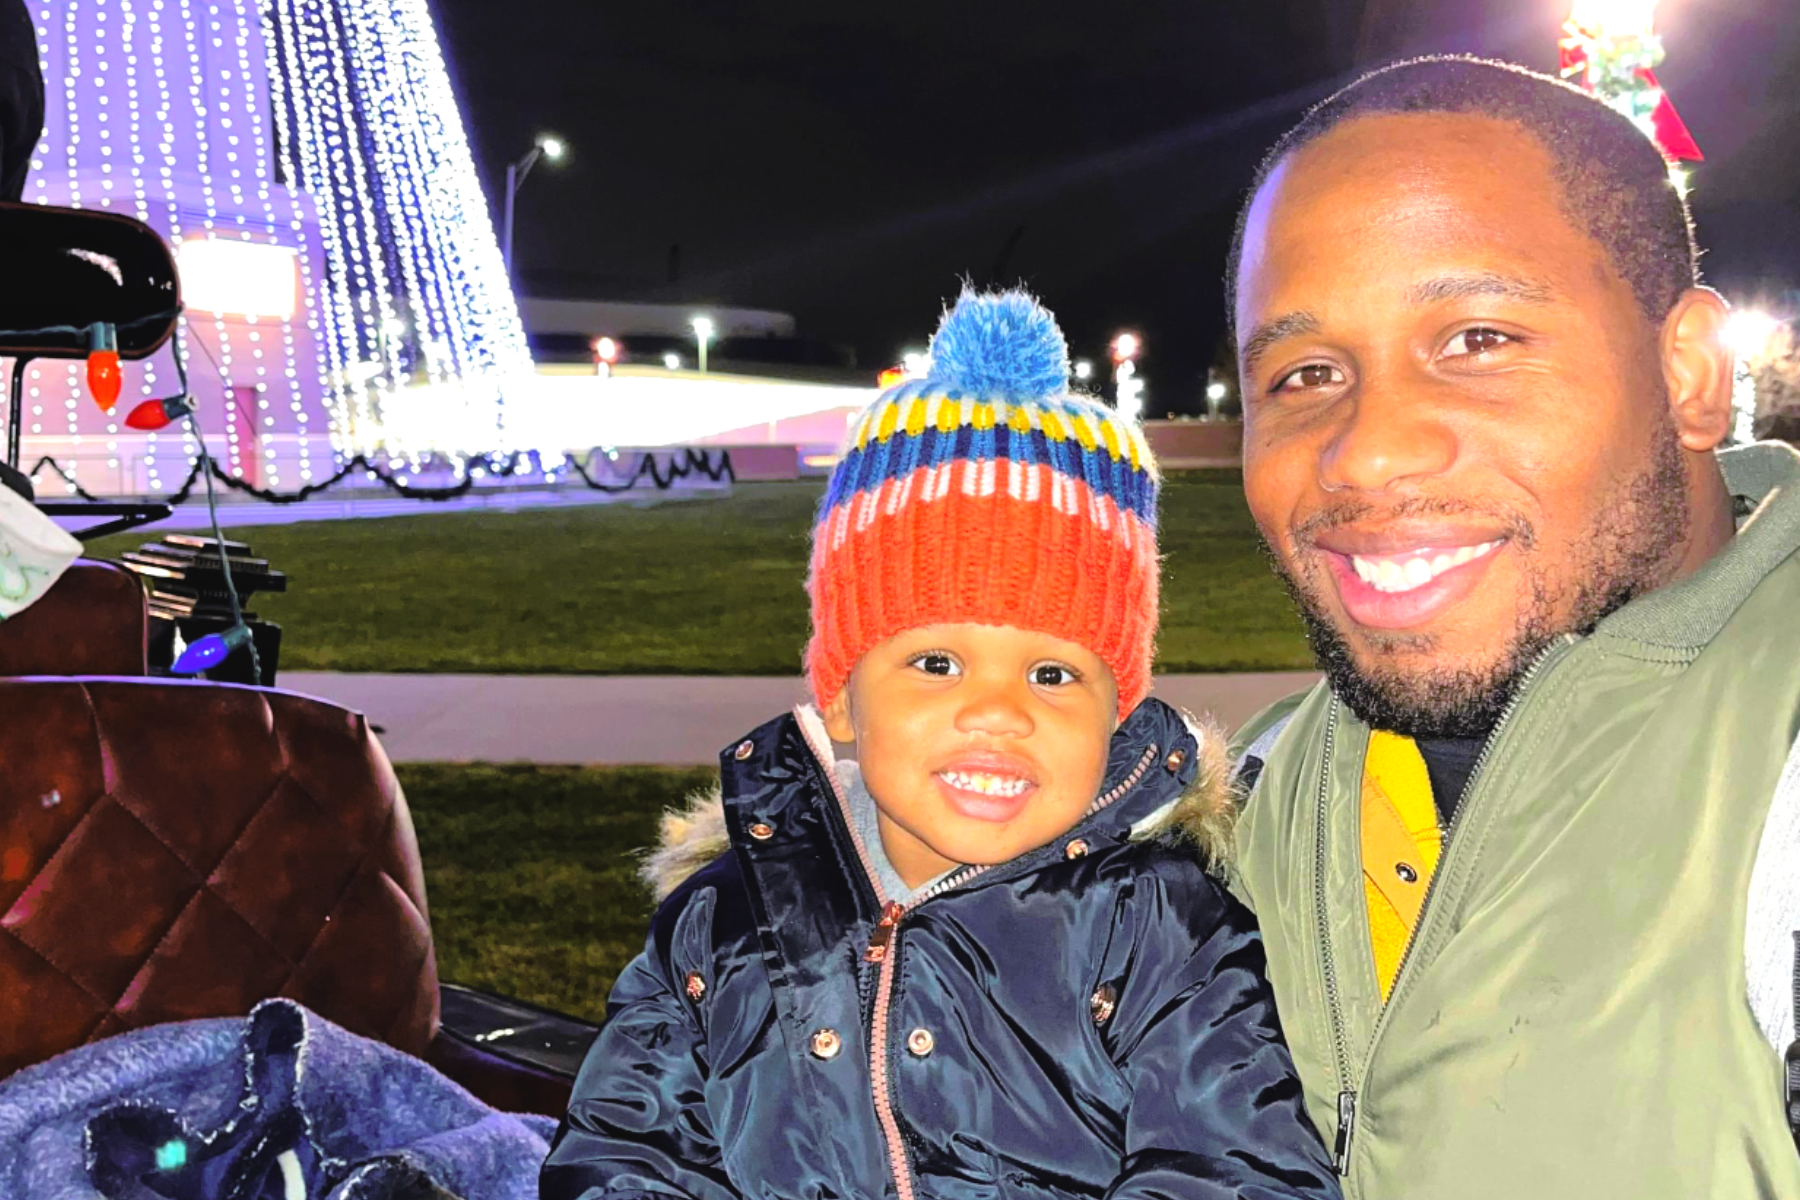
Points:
[(281, 1105)]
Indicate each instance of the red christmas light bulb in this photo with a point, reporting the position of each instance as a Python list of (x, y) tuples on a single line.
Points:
[(104, 377), (151, 415)]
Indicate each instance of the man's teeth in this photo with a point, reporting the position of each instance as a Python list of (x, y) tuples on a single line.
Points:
[(1405, 573), (986, 785)]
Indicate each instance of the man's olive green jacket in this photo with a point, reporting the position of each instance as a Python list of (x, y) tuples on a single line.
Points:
[(1571, 1018)]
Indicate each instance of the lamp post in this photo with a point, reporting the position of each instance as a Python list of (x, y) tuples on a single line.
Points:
[(703, 331), (1128, 388), (547, 146)]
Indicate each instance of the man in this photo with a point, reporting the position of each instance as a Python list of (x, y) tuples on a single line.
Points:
[(1503, 855), (21, 97)]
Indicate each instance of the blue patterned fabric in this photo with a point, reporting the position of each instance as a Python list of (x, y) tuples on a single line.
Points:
[(276, 1106)]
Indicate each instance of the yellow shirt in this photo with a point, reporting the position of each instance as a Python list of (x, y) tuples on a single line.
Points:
[(1400, 845)]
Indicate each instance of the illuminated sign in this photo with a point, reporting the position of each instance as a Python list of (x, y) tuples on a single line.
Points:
[(251, 279)]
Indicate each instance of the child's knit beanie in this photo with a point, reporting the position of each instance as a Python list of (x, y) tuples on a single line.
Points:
[(987, 493)]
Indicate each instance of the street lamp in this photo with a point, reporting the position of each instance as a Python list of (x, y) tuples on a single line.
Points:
[(1084, 369), (606, 353), (672, 361), (1127, 387), (547, 146), (703, 332)]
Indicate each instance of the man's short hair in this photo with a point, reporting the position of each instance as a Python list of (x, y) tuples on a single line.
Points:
[(1615, 181)]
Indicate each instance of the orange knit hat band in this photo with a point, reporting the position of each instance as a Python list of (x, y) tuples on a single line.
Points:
[(1047, 554)]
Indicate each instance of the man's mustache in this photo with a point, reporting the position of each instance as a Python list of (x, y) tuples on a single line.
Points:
[(1350, 512)]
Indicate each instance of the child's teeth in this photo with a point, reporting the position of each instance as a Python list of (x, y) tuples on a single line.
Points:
[(986, 785)]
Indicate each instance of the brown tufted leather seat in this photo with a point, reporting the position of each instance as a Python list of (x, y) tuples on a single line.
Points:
[(92, 621), (174, 850)]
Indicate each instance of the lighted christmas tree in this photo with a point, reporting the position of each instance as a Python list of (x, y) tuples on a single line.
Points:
[(307, 160), (1611, 48)]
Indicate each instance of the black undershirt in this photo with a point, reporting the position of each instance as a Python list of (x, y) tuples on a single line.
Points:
[(1449, 762)]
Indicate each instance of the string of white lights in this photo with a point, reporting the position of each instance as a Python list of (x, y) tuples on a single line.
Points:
[(253, 102), (462, 202), (140, 191), (165, 157), (277, 70), (72, 81), (293, 61)]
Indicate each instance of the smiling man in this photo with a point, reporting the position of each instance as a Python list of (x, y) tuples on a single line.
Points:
[(1525, 863)]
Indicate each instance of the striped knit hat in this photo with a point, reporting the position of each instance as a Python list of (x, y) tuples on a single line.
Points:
[(986, 493)]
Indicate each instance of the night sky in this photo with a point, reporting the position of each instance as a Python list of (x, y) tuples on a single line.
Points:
[(848, 162)]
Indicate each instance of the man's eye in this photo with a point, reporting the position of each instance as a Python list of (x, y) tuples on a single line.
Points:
[(1052, 675), (935, 663), (1475, 341), (1312, 375)]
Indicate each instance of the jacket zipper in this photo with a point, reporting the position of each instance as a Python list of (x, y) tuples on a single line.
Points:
[(1348, 1097), (881, 950), (1346, 1101)]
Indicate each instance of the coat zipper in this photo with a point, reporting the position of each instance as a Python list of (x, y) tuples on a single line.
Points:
[(1347, 1098), (882, 947), (1346, 1101)]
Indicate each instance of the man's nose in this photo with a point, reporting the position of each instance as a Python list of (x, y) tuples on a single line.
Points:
[(1389, 432), (998, 708)]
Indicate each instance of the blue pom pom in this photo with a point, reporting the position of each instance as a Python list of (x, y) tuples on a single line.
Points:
[(999, 344)]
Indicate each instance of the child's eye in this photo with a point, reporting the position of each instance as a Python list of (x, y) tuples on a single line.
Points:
[(1053, 675), (935, 662)]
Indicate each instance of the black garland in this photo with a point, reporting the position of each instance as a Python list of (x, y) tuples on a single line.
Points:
[(691, 462)]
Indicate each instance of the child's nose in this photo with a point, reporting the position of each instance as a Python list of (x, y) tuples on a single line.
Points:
[(999, 709)]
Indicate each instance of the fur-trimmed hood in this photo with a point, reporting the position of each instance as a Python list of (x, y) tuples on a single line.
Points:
[(692, 836)]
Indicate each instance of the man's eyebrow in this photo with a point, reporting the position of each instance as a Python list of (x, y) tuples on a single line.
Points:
[(1271, 331), (1487, 283)]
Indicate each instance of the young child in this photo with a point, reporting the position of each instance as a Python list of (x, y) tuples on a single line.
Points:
[(981, 960)]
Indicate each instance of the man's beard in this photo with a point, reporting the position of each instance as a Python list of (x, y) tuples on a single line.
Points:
[(1626, 552)]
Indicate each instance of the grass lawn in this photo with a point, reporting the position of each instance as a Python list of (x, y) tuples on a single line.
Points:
[(530, 873), (698, 587)]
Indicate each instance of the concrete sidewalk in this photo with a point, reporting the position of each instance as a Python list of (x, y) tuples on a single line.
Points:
[(676, 720)]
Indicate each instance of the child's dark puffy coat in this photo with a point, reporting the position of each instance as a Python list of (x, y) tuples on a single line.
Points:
[(1090, 1019)]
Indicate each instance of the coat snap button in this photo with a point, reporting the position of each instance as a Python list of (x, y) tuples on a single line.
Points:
[(1176, 760), (745, 749), (920, 1042), (826, 1043), (762, 832), (1406, 872), (696, 986), (1077, 848), (1102, 1003)]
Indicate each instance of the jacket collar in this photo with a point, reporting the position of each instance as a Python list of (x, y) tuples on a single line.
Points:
[(1689, 613)]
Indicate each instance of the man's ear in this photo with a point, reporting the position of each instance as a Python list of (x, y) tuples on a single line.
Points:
[(1697, 366), (836, 716)]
